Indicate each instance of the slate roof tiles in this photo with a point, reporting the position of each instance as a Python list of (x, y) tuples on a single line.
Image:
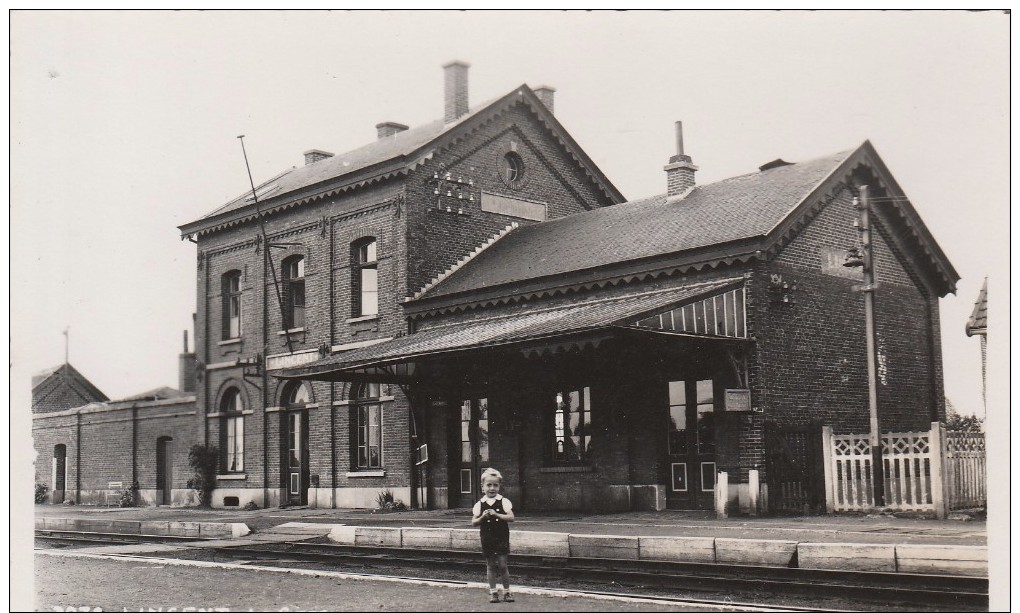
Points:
[(737, 208)]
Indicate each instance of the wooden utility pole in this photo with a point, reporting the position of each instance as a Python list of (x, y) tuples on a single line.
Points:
[(878, 476)]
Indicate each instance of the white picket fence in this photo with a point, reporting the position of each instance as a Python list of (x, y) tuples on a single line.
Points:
[(923, 471)]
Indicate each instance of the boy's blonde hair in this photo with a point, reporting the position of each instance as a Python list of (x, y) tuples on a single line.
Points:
[(491, 472)]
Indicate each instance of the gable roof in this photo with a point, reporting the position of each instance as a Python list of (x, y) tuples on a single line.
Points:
[(48, 384), (978, 321), (387, 157), (730, 220)]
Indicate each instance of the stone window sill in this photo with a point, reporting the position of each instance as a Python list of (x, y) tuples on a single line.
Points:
[(568, 468), (232, 477), (360, 474), (221, 414), (354, 320), (229, 341), (291, 331)]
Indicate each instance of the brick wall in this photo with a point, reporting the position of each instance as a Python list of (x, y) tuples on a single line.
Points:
[(56, 394), (114, 443), (436, 239), (176, 424), (47, 432), (812, 354)]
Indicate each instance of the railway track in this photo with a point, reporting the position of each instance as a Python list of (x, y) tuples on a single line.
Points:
[(108, 538), (656, 580)]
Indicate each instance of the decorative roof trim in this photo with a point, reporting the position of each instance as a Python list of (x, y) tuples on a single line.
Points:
[(464, 260), (251, 215), (864, 157), (623, 279)]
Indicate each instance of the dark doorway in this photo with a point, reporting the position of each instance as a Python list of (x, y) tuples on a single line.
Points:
[(472, 451), (297, 457), (691, 444), (794, 466), (295, 448), (59, 473), (164, 470)]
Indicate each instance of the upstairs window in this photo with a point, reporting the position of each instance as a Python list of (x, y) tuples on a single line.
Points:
[(294, 292), (231, 292), (365, 267)]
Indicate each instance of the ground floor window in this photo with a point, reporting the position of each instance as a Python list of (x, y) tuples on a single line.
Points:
[(368, 419), (234, 427), (571, 425)]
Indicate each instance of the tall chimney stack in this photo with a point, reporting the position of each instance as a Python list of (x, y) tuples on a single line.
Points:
[(680, 170), (546, 94), (187, 369), (456, 81)]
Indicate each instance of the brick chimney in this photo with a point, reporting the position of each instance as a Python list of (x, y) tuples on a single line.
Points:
[(389, 128), (546, 93), (680, 171), (187, 369), (456, 81), (314, 155)]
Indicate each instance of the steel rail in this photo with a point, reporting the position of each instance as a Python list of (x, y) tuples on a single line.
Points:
[(946, 592), (111, 538), (951, 592)]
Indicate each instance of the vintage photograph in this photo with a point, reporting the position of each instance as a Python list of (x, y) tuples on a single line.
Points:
[(537, 310)]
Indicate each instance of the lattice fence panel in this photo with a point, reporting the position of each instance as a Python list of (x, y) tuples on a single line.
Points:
[(966, 469)]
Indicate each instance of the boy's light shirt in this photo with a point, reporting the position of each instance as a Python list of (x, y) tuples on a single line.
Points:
[(507, 505)]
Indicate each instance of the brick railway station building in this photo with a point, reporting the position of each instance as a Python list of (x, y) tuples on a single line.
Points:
[(476, 292)]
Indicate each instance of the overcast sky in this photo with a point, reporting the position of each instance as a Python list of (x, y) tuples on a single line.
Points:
[(124, 127)]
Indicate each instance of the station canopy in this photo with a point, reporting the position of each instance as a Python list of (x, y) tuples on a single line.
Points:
[(711, 309)]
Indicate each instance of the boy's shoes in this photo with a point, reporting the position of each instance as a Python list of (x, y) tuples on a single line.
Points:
[(493, 597), (508, 597)]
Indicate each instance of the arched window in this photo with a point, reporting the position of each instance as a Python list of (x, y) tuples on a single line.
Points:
[(294, 292), (296, 394), (232, 439), (367, 419), (365, 285), (231, 292)]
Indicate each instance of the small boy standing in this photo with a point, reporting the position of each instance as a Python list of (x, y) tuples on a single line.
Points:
[(493, 513)]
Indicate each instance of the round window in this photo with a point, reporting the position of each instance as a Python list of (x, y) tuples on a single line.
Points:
[(513, 171)]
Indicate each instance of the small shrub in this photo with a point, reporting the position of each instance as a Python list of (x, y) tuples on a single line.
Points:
[(41, 492), (204, 460), (69, 502), (965, 423), (251, 506), (385, 500), (127, 499)]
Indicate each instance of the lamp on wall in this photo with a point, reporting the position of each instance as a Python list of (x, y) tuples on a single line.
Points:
[(854, 259), (782, 291)]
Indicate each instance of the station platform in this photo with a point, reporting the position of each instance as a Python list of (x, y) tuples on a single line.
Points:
[(879, 542)]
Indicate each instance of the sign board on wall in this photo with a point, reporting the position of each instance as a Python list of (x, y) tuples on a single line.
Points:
[(832, 264), (738, 400)]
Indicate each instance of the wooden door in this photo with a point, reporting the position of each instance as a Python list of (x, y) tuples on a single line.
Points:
[(691, 444)]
